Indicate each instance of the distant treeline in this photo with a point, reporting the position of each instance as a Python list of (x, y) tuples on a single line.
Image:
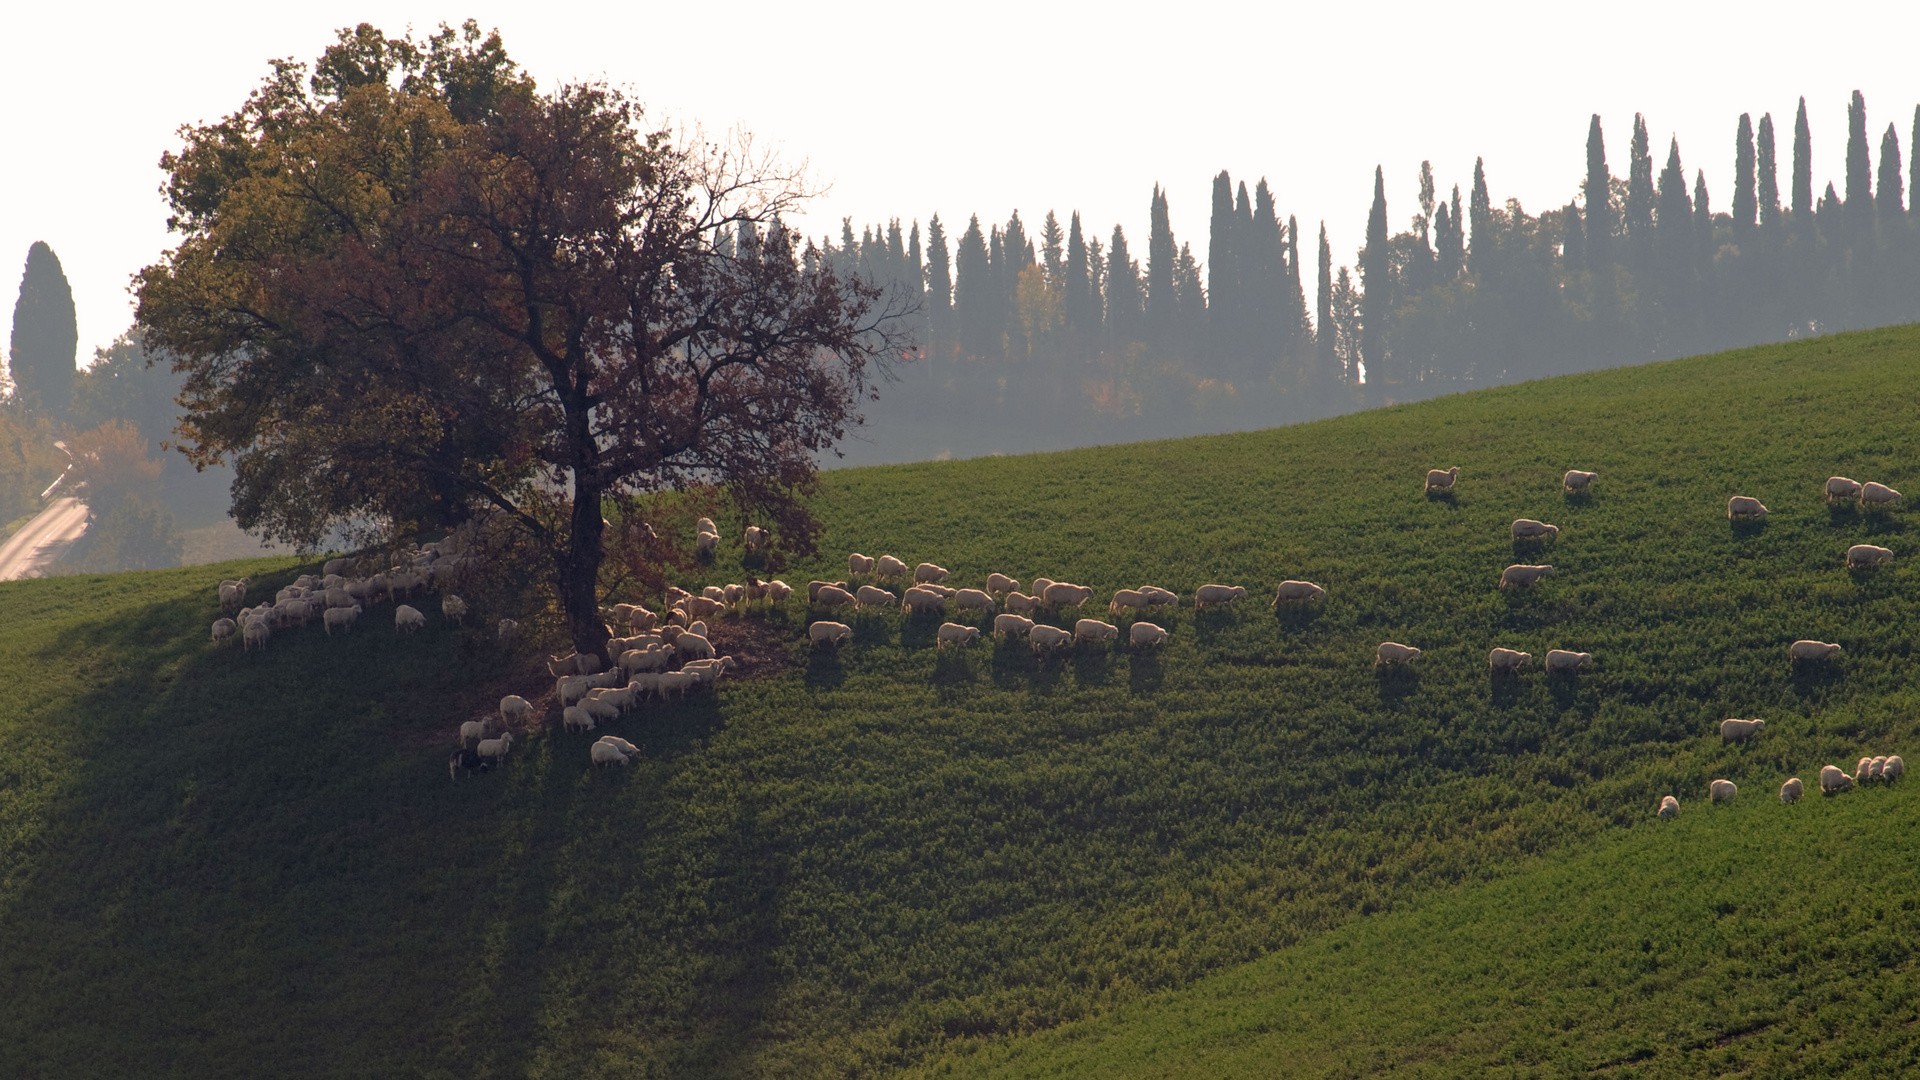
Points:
[(1054, 337)]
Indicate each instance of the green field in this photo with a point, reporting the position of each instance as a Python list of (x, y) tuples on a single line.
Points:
[(891, 857)]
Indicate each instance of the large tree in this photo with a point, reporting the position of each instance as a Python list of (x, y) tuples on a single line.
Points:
[(412, 286), (46, 336)]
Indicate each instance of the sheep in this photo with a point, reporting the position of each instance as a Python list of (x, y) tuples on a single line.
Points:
[(223, 630), (1290, 591), (514, 707), (1001, 584), (1740, 506), (833, 596), (342, 617), (407, 619), (757, 537), (871, 597), (1507, 660), (1791, 791), (1893, 769), (918, 600), (1042, 636), (1128, 598), (1834, 780), (233, 594), (886, 566), (1094, 630), (256, 632), (645, 684), (1065, 594), (1519, 575), (814, 587), (1018, 601), (1721, 791), (674, 594), (733, 594), (955, 633), (1669, 808), (1157, 596), (1039, 587), (602, 753), (677, 681), (598, 707), (696, 646), (1866, 555), (640, 620), (571, 688), (1839, 487), (1813, 651), (496, 749), (706, 543), (858, 564), (507, 630), (1217, 594), (1875, 771), (1010, 623), (715, 592), (778, 591), (1740, 730), (472, 731), (1442, 479), (1145, 635), (699, 607), (706, 524), (1566, 660), (1872, 494), (973, 600), (577, 664), (707, 671), (337, 598), (466, 761), (623, 745), (1392, 652), (337, 567), (1528, 529), (832, 633), (1575, 480), (928, 574), (575, 716), (1863, 771), (651, 658)]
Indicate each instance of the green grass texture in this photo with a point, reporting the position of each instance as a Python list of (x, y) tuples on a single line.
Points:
[(889, 857)]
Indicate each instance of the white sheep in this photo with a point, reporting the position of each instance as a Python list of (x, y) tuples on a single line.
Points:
[(715, 592), (1669, 808), (1217, 594), (1813, 651), (734, 594), (778, 591), (1872, 494), (507, 630), (1575, 480), (1146, 635), (1740, 506), (598, 707), (1128, 598), (859, 564), (1528, 529), (1291, 591), (1722, 791), (1566, 660), (514, 707), (1521, 576), (1740, 730), (473, 731), (955, 633), (1010, 623), (1840, 487), (700, 607), (1442, 479), (604, 753), (619, 743), (1893, 769), (1157, 596), (407, 619), (1834, 780), (927, 573), (1018, 601), (832, 633), (1094, 630), (757, 537), (1879, 763), (569, 689), (706, 543), (1065, 594), (1392, 652), (1001, 584), (1507, 660), (1039, 588), (1860, 555), (496, 748), (1863, 771), (706, 524), (695, 645), (886, 566), (814, 587), (871, 597), (576, 717), (973, 600), (918, 600), (255, 633), (1791, 791), (223, 630), (677, 682), (1042, 636)]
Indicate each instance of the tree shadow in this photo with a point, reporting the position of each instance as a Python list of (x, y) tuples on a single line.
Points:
[(823, 666), (1092, 663), (1395, 682), (1145, 672), (1746, 527)]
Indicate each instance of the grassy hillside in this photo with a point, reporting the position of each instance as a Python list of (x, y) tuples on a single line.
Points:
[(890, 856)]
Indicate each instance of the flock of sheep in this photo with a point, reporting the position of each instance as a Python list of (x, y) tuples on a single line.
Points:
[(338, 597), (1833, 779)]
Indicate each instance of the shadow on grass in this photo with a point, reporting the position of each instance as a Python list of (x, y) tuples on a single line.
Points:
[(1842, 514), (1210, 622), (1812, 677), (1746, 528), (920, 629), (1013, 662), (1565, 688), (1506, 688), (1145, 673), (1092, 663), (1529, 549), (1395, 682), (1574, 499), (1442, 495), (950, 667), (823, 666), (1297, 615), (1879, 522)]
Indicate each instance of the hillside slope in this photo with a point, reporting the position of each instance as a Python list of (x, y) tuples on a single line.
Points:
[(888, 853)]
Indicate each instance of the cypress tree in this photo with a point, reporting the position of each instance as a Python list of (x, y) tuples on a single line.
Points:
[(1376, 270), (1913, 163), (1123, 293), (1449, 232), (1702, 224), (46, 335), (1769, 178), (1859, 168), (1222, 272), (1325, 337), (1891, 194), (1296, 294), (1745, 200), (939, 289), (1050, 245), (1802, 163), (1421, 269), (1163, 304), (1265, 275), (1190, 328), (973, 291), (1077, 303), (1829, 211), (1676, 210), (1599, 191), (1640, 193), (1573, 247), (1480, 251), (1245, 264)]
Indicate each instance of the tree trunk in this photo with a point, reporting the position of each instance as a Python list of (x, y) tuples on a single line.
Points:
[(579, 572)]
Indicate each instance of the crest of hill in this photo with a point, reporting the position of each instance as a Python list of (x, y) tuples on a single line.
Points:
[(886, 854)]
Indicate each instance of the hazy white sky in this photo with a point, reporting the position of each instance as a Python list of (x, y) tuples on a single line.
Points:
[(909, 109)]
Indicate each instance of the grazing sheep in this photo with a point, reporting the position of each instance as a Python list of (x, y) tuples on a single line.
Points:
[(256, 632), (407, 619), (603, 753), (1042, 636), (814, 587), (708, 671), (342, 617), (1290, 591), (833, 596), (871, 597), (954, 632), (1872, 494), (337, 597), (1528, 529), (1128, 598), (1565, 660), (472, 731), (576, 717), (1740, 506), (1722, 791), (223, 629), (577, 664), (466, 761), (1442, 479), (677, 682), (507, 630), (1740, 730), (832, 633), (1813, 651), (706, 524), (973, 600), (1791, 791), (889, 567), (336, 568), (598, 707), (757, 537), (1893, 768), (1669, 808), (1860, 555), (1094, 630), (1065, 594), (571, 688), (859, 564), (496, 749), (514, 707), (1217, 594), (1039, 587), (1392, 652), (1834, 780), (1157, 596), (1145, 635), (1020, 602), (778, 591), (1009, 623), (706, 543), (1518, 575), (695, 645), (1507, 660), (699, 607), (623, 745), (941, 589), (715, 592), (1875, 771), (1839, 487), (1001, 583), (1575, 480), (1863, 770), (918, 600), (928, 574), (734, 594)]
